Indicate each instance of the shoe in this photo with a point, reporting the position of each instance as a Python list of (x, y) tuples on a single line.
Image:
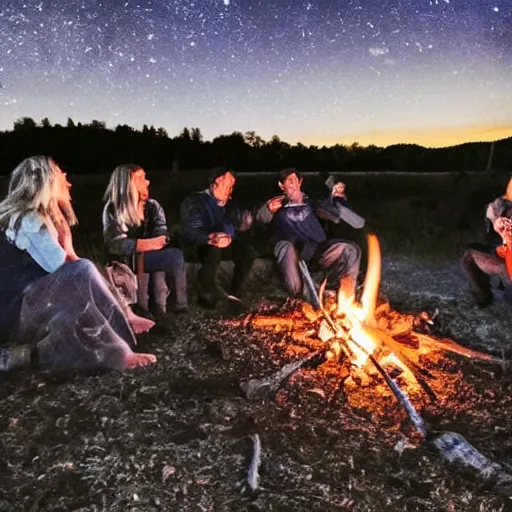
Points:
[(15, 357)]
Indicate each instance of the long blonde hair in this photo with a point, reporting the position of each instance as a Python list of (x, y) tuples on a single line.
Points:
[(31, 189), (123, 195)]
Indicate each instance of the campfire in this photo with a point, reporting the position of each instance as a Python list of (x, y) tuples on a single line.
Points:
[(368, 338)]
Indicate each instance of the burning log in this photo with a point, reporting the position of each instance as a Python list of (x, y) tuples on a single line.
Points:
[(272, 322), (363, 334), (449, 346)]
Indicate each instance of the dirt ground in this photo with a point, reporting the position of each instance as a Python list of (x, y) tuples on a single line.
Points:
[(177, 436)]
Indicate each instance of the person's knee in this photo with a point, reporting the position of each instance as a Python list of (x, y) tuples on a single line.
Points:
[(284, 250), (84, 266), (353, 252), (467, 258), (174, 259), (349, 256)]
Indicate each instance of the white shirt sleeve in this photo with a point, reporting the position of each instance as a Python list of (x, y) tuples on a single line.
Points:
[(33, 236)]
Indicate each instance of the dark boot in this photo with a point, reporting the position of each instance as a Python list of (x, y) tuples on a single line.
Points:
[(18, 356), (243, 258), (210, 258)]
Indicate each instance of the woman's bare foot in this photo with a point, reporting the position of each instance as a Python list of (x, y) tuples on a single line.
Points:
[(139, 323), (135, 360)]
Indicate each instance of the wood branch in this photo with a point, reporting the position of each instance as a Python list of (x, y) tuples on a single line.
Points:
[(401, 353), (450, 346), (400, 395), (253, 475), (402, 398)]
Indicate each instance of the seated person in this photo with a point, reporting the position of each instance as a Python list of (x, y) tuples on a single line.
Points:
[(56, 310), (212, 222), (135, 232), (480, 261), (298, 234)]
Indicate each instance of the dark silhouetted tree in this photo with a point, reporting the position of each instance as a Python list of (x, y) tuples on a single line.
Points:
[(253, 139), (196, 135), (24, 123), (98, 125), (185, 134)]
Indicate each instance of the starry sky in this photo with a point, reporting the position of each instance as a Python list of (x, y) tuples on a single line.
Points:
[(433, 72)]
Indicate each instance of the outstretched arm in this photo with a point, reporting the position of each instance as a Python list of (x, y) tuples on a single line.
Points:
[(337, 210), (265, 213)]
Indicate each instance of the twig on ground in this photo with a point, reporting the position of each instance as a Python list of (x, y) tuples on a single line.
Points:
[(253, 475)]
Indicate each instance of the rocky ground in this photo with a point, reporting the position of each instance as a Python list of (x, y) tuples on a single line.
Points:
[(177, 436)]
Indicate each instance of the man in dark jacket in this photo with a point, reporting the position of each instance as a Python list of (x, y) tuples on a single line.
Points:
[(212, 222), (298, 234)]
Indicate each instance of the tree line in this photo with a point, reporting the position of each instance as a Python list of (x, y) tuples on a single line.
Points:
[(93, 148)]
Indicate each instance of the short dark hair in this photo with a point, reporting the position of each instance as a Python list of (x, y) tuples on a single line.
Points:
[(216, 172), (287, 172)]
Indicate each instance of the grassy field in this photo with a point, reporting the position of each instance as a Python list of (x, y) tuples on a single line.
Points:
[(419, 215), (422, 215)]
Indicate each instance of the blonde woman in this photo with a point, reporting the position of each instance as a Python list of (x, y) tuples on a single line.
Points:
[(135, 232), (54, 306)]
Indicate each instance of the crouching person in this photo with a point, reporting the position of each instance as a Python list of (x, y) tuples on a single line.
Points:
[(212, 222), (135, 232), (298, 235), (56, 310), (481, 261)]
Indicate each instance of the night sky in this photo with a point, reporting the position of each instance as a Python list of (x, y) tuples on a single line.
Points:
[(435, 72)]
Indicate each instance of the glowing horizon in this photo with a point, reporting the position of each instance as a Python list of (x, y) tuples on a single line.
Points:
[(430, 72)]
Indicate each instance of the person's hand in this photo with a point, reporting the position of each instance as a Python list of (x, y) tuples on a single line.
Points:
[(247, 221), (503, 226), (220, 240), (275, 203), (338, 190), (65, 240), (151, 244)]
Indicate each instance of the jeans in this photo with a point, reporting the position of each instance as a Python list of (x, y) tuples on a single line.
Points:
[(479, 261), (166, 268), (210, 257), (337, 258)]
